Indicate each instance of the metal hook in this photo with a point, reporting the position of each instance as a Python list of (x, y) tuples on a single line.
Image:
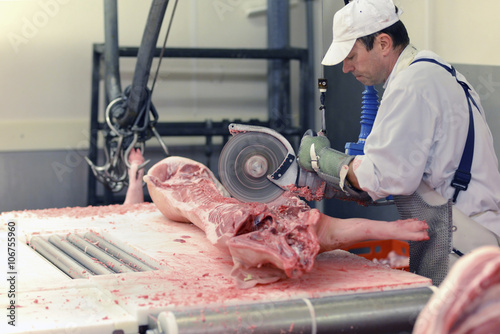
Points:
[(129, 149), (108, 117), (121, 141), (102, 175), (162, 143)]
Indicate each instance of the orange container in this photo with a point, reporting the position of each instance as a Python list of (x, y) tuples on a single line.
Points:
[(380, 249)]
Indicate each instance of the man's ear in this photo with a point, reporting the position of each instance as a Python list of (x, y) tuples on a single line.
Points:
[(384, 42)]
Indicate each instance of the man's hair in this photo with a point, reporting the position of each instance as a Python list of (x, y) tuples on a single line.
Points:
[(397, 32)]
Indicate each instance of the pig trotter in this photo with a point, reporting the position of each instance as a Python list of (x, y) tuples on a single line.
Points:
[(135, 192)]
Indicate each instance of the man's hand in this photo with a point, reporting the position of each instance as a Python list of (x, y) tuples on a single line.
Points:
[(320, 141)]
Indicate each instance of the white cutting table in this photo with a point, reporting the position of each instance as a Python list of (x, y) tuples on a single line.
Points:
[(192, 272)]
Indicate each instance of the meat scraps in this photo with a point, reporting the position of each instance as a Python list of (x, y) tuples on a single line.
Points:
[(468, 300), (267, 241)]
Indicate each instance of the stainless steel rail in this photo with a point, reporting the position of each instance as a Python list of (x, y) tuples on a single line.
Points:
[(393, 311)]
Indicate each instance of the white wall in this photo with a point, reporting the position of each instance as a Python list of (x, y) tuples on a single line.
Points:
[(45, 72), (45, 65), (461, 31)]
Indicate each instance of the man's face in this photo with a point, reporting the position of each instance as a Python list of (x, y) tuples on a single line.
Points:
[(367, 66)]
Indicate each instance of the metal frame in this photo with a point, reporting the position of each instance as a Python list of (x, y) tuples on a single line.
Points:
[(206, 129)]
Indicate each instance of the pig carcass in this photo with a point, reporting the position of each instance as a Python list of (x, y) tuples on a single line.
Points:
[(468, 300), (267, 241)]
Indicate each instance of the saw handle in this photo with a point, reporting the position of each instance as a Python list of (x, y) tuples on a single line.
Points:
[(309, 139)]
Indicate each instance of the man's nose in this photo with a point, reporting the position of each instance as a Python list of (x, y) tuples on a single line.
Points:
[(347, 67)]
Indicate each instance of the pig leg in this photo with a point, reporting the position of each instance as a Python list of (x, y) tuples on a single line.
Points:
[(334, 233), (135, 193)]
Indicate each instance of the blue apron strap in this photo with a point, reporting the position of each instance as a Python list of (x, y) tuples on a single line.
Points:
[(462, 175)]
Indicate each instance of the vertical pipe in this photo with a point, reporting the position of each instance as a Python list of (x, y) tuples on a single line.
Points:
[(278, 37), (94, 126), (111, 51), (144, 61), (308, 117)]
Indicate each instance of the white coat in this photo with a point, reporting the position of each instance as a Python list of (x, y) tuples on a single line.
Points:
[(419, 133)]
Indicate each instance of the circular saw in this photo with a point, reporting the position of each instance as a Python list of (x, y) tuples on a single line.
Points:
[(256, 164)]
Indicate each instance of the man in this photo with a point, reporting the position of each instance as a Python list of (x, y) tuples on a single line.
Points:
[(422, 124)]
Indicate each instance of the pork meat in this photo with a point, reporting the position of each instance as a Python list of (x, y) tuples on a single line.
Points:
[(267, 241), (468, 300)]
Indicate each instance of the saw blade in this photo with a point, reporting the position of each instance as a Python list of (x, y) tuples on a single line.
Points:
[(246, 161)]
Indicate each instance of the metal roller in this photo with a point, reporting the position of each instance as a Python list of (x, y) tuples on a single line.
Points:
[(108, 260), (118, 253), (60, 259), (78, 255), (392, 311)]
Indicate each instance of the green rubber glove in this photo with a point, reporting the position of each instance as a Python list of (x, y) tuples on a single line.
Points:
[(320, 142), (332, 162)]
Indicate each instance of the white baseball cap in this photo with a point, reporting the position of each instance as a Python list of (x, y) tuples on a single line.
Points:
[(357, 19)]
